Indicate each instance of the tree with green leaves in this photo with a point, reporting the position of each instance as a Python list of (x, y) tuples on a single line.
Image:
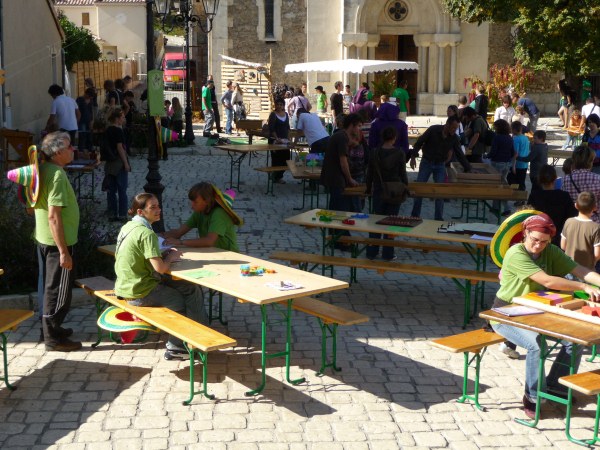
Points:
[(550, 35), (79, 43)]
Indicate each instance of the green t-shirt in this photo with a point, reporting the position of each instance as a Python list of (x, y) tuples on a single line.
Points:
[(321, 102), (518, 267), (207, 98), (55, 190), (217, 221), (136, 244), (402, 97)]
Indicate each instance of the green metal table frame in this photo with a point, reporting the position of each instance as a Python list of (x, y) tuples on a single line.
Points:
[(468, 363), (5, 358), (545, 351)]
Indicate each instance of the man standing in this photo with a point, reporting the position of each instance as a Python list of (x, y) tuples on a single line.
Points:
[(228, 106), (207, 109), (402, 98), (336, 101), (335, 174), (440, 143), (315, 133), (476, 129), (529, 107), (481, 102), (64, 112), (56, 226), (215, 105)]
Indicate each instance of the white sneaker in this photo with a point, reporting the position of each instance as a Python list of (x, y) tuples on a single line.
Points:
[(512, 354)]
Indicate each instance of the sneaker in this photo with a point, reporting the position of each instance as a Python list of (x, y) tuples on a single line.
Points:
[(393, 258), (529, 407), (560, 392), (64, 345), (175, 354), (511, 353)]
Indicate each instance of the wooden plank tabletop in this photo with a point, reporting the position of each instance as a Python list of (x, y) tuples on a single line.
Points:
[(301, 172), (227, 277), (248, 148), (428, 229), (13, 317), (561, 327)]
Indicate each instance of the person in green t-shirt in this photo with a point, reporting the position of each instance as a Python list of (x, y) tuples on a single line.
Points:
[(212, 217), (535, 265), (402, 97), (321, 99), (139, 265), (56, 226)]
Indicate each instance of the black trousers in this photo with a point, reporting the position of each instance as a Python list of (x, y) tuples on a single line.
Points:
[(217, 116), (58, 291), (279, 158)]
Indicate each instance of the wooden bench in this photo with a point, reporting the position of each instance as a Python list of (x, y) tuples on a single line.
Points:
[(270, 171), (355, 241), (198, 339), (9, 320), (475, 342), (587, 383), (471, 277), (329, 317)]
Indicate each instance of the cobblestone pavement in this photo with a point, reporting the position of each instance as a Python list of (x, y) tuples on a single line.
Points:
[(395, 390)]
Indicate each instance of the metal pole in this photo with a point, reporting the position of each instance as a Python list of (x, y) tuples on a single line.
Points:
[(189, 132), (153, 185)]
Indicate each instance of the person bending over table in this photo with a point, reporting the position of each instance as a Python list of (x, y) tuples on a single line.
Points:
[(139, 265), (212, 216), (535, 265)]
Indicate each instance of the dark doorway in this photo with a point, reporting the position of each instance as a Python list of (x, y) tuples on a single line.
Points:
[(401, 48)]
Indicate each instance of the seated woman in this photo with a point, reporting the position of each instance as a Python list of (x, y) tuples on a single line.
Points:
[(213, 218), (536, 265), (139, 264)]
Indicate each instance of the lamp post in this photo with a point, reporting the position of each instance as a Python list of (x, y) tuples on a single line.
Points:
[(153, 185), (180, 13)]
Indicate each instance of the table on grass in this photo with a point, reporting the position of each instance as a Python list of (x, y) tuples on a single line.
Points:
[(237, 154), (219, 270), (552, 327)]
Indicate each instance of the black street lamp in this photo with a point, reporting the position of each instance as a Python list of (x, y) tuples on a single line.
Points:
[(180, 13)]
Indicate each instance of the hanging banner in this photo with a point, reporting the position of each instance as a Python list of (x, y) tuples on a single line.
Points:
[(156, 89)]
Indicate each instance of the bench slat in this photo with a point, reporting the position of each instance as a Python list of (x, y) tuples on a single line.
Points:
[(195, 334), (425, 247), (10, 318), (385, 266), (271, 169), (327, 312), (586, 382), (471, 341), (95, 284)]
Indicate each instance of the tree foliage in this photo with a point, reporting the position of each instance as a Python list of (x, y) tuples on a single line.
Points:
[(79, 43), (551, 35)]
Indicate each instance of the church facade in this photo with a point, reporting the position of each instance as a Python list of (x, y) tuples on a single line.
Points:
[(292, 31)]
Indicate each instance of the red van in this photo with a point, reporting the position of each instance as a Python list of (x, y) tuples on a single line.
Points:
[(174, 70)]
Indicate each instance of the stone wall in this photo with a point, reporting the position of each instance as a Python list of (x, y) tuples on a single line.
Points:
[(500, 44), (244, 43)]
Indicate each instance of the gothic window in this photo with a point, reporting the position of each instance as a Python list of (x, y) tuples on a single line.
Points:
[(269, 19), (397, 10), (85, 19)]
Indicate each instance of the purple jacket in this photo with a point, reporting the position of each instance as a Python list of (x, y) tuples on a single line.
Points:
[(387, 116)]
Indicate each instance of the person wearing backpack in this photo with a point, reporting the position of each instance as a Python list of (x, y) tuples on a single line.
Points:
[(521, 143), (387, 164), (477, 134)]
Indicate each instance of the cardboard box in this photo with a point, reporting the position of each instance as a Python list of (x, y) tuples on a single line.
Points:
[(480, 173)]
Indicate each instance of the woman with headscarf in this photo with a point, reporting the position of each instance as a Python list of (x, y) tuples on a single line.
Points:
[(387, 116), (537, 265)]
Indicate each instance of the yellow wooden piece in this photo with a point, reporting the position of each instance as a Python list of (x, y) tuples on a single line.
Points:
[(471, 341), (271, 169), (385, 266), (10, 318), (195, 334), (587, 382), (92, 284), (327, 312), (424, 247)]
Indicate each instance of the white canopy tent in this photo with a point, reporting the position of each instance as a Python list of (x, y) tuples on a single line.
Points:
[(361, 66)]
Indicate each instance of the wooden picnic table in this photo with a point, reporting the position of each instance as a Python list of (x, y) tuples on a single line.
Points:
[(219, 270), (558, 153), (78, 169), (555, 327), (310, 177), (237, 153)]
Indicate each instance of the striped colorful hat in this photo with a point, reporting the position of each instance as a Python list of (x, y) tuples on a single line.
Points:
[(28, 178), (168, 135), (225, 201), (116, 320), (508, 234)]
